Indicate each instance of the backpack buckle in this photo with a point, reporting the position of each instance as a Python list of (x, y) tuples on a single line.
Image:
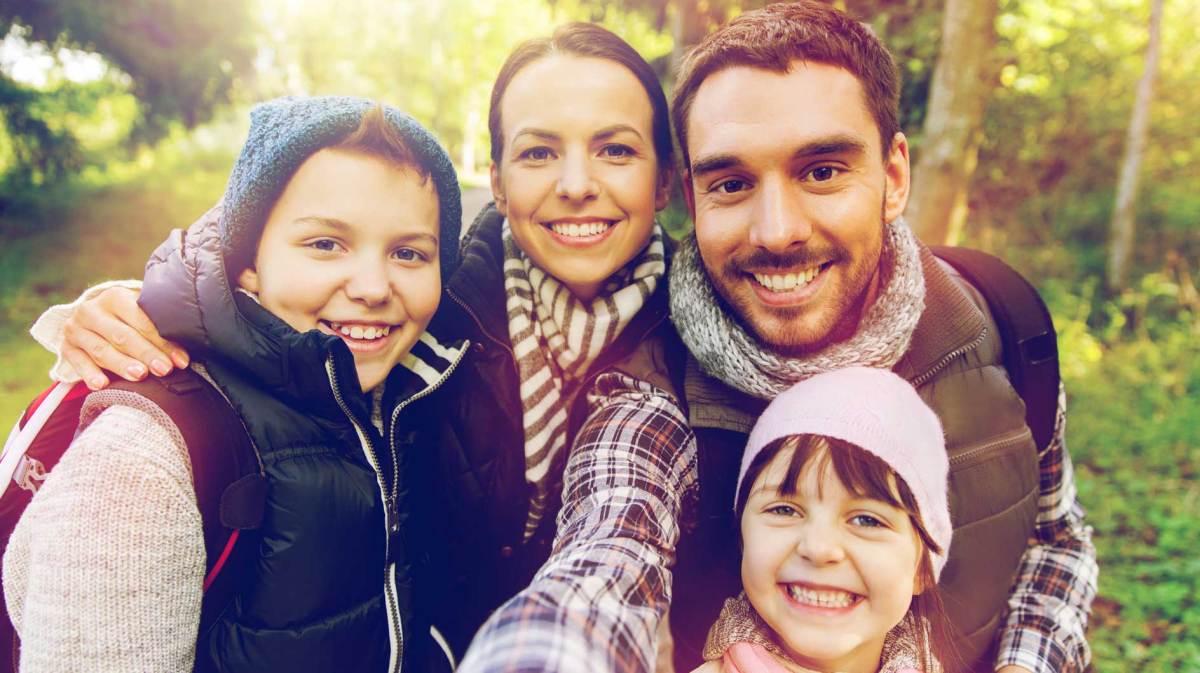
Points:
[(30, 474)]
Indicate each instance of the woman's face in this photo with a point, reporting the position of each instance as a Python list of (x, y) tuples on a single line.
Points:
[(578, 178)]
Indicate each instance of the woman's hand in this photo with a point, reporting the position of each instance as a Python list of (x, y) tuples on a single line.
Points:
[(111, 332)]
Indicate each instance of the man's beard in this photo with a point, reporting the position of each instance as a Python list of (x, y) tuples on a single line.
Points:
[(842, 313)]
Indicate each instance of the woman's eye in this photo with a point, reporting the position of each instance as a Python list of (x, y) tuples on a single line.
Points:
[(730, 186), (617, 151), (537, 154)]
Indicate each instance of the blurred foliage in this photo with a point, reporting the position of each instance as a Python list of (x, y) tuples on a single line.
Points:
[(82, 198)]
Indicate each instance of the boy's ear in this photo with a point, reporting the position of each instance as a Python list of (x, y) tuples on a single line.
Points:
[(248, 280), (498, 191)]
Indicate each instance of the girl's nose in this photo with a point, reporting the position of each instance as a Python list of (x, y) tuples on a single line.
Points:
[(820, 545)]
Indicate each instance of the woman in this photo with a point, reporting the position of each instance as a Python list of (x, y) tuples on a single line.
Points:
[(560, 279)]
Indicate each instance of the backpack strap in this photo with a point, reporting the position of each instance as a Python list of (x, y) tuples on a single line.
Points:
[(226, 472), (1030, 346)]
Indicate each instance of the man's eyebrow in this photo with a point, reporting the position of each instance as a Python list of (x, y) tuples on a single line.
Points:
[(832, 145), (714, 163), (610, 131)]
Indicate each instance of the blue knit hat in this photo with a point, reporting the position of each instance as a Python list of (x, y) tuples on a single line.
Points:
[(285, 132)]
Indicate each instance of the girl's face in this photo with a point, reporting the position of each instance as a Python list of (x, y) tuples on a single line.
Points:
[(578, 179), (351, 249), (829, 571)]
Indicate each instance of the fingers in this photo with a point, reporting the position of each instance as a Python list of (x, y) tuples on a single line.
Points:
[(87, 370), (146, 341), (89, 352)]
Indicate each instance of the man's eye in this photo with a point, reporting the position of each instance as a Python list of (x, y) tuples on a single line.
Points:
[(537, 154), (823, 173), (730, 186)]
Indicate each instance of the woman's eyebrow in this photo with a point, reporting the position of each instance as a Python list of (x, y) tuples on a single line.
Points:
[(537, 133), (610, 131)]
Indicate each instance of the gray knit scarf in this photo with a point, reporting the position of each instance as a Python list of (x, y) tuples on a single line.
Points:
[(725, 351), (556, 337)]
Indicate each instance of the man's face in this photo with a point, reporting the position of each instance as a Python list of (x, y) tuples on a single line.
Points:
[(790, 192)]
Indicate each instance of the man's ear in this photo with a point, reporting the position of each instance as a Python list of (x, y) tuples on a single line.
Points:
[(248, 280), (689, 196), (662, 193), (896, 178), (498, 191)]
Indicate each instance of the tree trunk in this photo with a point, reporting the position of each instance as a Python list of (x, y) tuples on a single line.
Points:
[(962, 85), (1135, 146)]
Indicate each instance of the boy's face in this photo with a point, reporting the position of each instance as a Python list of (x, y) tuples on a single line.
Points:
[(351, 249), (830, 572)]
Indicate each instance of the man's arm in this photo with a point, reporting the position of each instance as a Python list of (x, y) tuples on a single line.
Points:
[(1056, 582), (597, 602)]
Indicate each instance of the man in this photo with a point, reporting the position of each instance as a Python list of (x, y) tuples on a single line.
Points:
[(796, 174)]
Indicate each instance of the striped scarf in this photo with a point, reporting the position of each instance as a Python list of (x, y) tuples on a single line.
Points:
[(556, 337)]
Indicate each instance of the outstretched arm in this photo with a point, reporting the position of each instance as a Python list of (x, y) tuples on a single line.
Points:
[(1052, 596), (597, 602)]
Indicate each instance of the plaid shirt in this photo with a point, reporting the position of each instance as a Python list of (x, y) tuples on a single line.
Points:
[(597, 603)]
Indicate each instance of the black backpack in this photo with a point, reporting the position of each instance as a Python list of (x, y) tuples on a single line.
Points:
[(1030, 346), (226, 473)]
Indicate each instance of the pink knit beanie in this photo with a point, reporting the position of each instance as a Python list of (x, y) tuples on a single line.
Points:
[(880, 412)]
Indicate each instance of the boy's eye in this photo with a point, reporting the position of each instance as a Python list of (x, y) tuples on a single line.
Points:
[(409, 255), (324, 244)]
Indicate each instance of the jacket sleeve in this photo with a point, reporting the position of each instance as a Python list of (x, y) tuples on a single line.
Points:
[(597, 603), (104, 571), (1056, 581)]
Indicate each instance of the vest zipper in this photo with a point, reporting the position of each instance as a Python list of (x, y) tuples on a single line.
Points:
[(918, 381), (396, 628), (1011, 437), (479, 324)]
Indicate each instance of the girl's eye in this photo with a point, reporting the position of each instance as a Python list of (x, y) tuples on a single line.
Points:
[(867, 521), (537, 154), (782, 510), (823, 173), (617, 151), (730, 186)]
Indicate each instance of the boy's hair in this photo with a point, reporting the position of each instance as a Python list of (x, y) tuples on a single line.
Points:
[(774, 37), (377, 138), (866, 476), (589, 41)]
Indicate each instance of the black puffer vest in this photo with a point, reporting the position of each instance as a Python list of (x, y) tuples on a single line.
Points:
[(327, 582), (954, 362), (483, 449)]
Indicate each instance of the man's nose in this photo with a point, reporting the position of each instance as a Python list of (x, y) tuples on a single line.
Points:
[(780, 220)]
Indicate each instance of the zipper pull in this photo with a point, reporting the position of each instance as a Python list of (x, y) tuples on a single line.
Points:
[(393, 515)]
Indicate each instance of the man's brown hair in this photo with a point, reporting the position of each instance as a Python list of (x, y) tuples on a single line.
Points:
[(377, 138), (774, 37)]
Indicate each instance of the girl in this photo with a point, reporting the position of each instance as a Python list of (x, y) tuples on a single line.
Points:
[(561, 277), (306, 304), (845, 529)]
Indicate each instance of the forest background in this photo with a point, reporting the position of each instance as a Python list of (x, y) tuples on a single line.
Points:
[(1029, 122)]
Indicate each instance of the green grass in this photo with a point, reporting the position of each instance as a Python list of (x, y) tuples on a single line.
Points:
[(1134, 399)]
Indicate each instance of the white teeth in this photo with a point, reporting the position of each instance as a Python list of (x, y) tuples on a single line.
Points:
[(824, 599), (787, 282), (368, 333), (580, 230)]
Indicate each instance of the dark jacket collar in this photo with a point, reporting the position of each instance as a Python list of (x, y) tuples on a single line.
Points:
[(187, 294)]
